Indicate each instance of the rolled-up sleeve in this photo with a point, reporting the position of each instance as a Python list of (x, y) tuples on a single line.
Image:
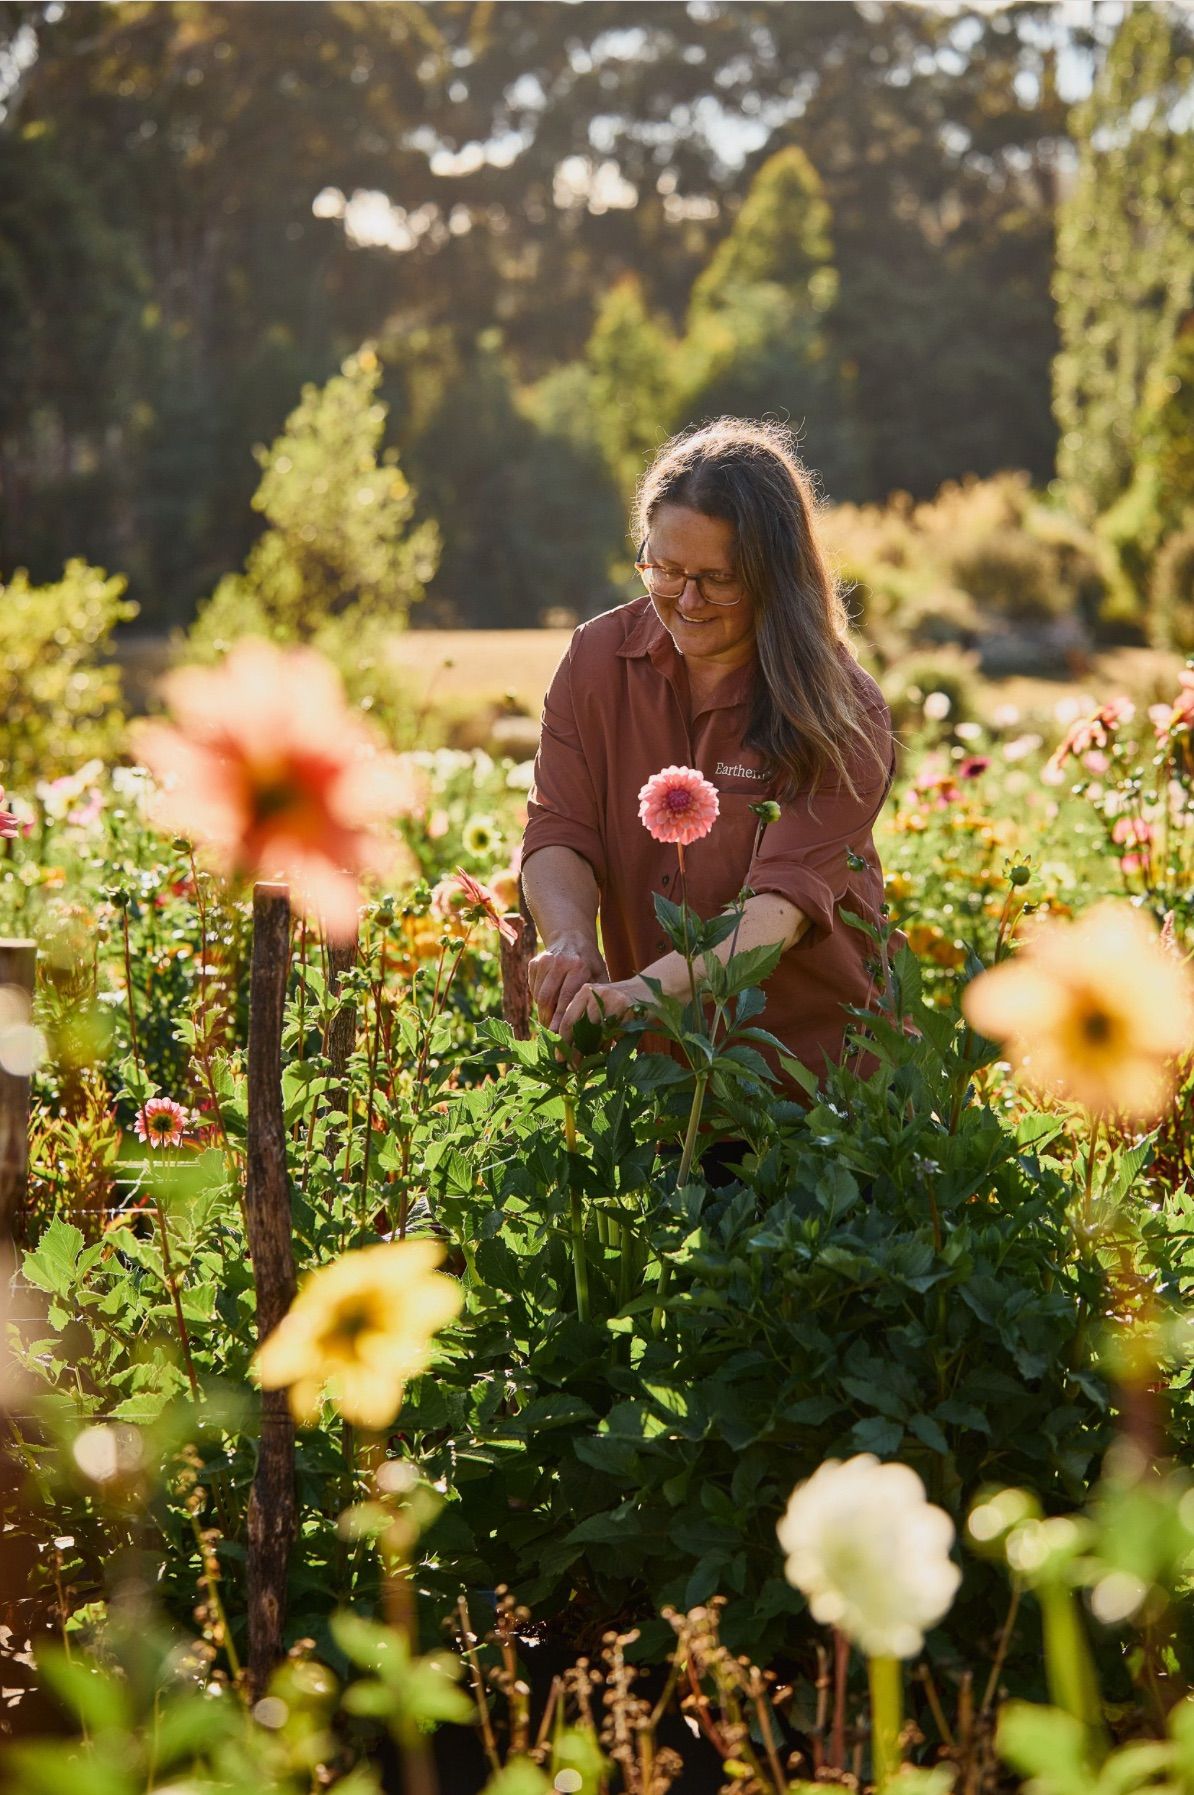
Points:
[(803, 856), (562, 808)]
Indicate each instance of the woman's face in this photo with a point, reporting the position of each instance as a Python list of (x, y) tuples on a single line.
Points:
[(719, 635)]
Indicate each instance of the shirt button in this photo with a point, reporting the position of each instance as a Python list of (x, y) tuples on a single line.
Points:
[(667, 878)]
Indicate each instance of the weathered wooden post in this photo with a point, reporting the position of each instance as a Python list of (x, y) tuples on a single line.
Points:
[(273, 1504), (17, 964), (516, 957)]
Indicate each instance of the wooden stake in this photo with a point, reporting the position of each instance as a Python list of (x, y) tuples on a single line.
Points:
[(17, 963), (516, 958), (273, 1505)]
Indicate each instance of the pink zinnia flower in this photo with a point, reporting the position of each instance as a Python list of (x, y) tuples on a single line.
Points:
[(272, 771), (678, 805), (161, 1122), (973, 765)]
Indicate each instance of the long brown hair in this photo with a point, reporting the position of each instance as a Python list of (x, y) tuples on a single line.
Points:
[(807, 711)]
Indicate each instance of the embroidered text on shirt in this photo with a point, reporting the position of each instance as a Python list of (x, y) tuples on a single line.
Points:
[(724, 772)]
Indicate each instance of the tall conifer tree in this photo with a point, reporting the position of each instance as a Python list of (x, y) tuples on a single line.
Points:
[(1124, 275)]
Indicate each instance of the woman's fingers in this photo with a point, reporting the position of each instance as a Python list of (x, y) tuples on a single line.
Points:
[(585, 1002), (554, 980), (569, 1003)]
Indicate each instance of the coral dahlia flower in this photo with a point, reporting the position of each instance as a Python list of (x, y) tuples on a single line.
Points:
[(359, 1329), (678, 805), (267, 765), (161, 1122), (1095, 1009)]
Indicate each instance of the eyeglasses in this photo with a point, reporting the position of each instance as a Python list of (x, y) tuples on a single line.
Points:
[(666, 581)]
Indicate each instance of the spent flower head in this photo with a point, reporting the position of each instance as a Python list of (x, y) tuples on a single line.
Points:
[(870, 1553)]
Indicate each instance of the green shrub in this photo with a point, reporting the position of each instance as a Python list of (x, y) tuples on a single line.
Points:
[(62, 702), (909, 683), (1171, 614), (883, 1281), (1011, 575), (340, 541)]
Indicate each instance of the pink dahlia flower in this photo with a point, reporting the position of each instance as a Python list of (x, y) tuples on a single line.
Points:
[(9, 824), (678, 805), (161, 1122)]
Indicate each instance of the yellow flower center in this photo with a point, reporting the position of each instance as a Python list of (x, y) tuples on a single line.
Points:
[(353, 1317)]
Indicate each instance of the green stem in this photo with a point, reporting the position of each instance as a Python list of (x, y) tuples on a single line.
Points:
[(1072, 1679), (580, 1264), (887, 1699), (1088, 1182), (690, 1138)]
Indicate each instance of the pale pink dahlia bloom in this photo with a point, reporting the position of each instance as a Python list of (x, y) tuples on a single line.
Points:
[(161, 1122), (678, 805)]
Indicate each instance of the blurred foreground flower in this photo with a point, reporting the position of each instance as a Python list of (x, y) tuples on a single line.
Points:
[(870, 1553), (22, 1044), (10, 825), (678, 805), (270, 769), (1095, 1009), (161, 1122), (358, 1329)]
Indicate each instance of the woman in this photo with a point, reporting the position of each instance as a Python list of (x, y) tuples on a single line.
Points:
[(736, 662)]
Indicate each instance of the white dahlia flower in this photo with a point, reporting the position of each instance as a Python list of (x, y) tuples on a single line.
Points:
[(870, 1553)]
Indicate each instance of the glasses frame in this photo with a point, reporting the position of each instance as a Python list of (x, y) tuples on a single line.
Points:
[(720, 604)]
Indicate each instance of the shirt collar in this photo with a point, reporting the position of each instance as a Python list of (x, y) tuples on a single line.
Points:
[(648, 638)]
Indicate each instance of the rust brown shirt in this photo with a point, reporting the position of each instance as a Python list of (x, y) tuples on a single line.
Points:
[(618, 711)]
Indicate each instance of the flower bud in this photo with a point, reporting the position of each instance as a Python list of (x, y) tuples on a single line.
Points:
[(767, 811)]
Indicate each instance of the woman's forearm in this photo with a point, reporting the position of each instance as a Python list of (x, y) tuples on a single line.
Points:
[(766, 920), (562, 896)]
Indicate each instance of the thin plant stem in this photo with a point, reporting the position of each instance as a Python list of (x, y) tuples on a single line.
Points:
[(376, 1049), (172, 1286), (468, 1645), (1088, 1179), (580, 1264)]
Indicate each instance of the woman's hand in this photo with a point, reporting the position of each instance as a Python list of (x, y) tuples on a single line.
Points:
[(608, 1002), (570, 964)]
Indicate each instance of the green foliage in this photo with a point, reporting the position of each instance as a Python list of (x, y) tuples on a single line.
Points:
[(759, 334), (676, 1445), (1010, 576), (340, 543), (536, 521), (629, 359), (61, 691), (1171, 609), (1124, 276)]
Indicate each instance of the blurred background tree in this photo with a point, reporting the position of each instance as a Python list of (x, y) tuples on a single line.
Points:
[(567, 229)]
